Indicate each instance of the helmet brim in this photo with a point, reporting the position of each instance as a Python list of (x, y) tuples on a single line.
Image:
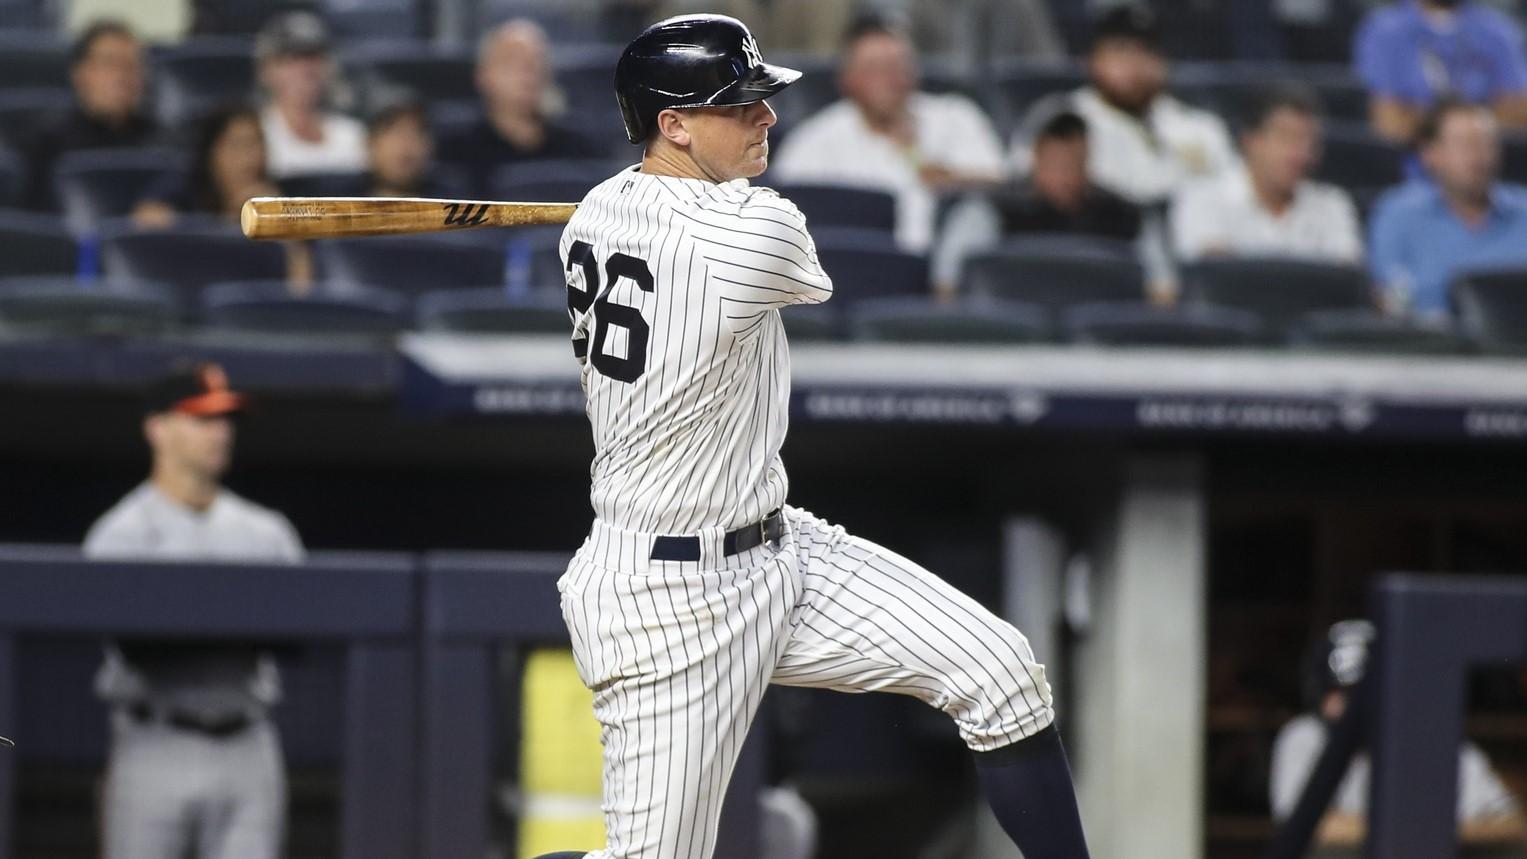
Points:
[(762, 81)]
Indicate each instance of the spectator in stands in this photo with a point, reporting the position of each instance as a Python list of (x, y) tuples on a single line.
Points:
[(515, 82), (1415, 52), (195, 767), (1145, 143), (1270, 207), (106, 71), (885, 134), (228, 166), (301, 134), (400, 149), (1055, 197), (1423, 234), (1487, 812)]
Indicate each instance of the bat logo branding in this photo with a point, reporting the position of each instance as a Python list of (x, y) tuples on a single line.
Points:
[(465, 215)]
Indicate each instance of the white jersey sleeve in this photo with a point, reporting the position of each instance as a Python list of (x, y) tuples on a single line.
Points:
[(757, 250)]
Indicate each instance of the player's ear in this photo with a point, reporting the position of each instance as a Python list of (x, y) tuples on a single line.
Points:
[(671, 127)]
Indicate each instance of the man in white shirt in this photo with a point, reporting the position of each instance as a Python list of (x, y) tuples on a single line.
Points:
[(1270, 207), (885, 134), (195, 765), (1145, 143), (301, 135)]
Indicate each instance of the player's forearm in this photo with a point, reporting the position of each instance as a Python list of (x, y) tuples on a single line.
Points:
[(1502, 829)]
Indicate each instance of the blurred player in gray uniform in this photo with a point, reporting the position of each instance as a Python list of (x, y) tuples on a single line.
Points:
[(698, 585), (195, 767)]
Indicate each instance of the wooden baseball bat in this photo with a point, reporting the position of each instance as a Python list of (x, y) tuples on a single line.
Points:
[(338, 217)]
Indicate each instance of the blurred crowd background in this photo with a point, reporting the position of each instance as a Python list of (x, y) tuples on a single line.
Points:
[(1329, 172), (1331, 176)]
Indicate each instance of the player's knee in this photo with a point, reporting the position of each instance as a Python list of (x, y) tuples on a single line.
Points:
[(1014, 702)]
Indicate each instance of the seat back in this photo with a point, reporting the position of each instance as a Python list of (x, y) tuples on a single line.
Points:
[(36, 244), (1491, 307), (1055, 273), (1280, 291)]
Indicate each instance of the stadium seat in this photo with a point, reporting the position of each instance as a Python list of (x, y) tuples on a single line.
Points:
[(411, 264), (817, 88), (1056, 272), (198, 75), (187, 257), (1491, 307), (1514, 157), (552, 180), (63, 305), (452, 116), (1140, 324), (373, 19), (1353, 157), (812, 322), (923, 320), (22, 109), (563, 22), (1019, 84), (36, 244), (33, 58), (1371, 331), (348, 184), (269, 307), (12, 178), (491, 310), (425, 73), (96, 184), (839, 206), (1281, 292), (867, 264)]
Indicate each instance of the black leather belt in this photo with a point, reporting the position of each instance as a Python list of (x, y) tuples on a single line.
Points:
[(224, 726), (767, 529)]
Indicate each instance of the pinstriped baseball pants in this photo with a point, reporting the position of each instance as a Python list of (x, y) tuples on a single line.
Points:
[(679, 653)]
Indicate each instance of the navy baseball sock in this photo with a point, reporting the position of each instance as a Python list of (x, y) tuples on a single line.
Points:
[(1029, 787), (576, 854)]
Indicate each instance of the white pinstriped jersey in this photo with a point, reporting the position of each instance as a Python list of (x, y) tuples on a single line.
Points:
[(674, 287)]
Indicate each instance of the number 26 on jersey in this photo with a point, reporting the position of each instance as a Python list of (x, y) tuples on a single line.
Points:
[(582, 266)]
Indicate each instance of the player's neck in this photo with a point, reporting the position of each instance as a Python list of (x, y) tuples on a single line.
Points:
[(672, 161), (184, 488)]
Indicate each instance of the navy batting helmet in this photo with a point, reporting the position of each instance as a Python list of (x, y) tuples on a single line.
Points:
[(692, 61)]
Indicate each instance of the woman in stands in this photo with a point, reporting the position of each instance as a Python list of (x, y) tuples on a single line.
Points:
[(228, 166)]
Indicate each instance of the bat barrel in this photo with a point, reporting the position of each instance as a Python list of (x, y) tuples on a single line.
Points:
[(336, 217)]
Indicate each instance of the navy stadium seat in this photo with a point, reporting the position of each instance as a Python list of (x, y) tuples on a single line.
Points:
[(187, 257), (197, 75), (1371, 331), (36, 244), (348, 184), (33, 58), (1140, 324), (21, 110), (425, 73), (1353, 157), (452, 116), (1491, 308), (839, 206), (924, 320), (867, 264), (269, 307), (812, 322), (491, 310), (817, 88), (412, 264), (96, 184), (12, 178), (374, 19), (552, 180), (63, 305), (1055, 272), (1020, 84), (1280, 291)]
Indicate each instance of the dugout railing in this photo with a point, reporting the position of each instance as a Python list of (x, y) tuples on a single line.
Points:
[(420, 635), (1410, 711)]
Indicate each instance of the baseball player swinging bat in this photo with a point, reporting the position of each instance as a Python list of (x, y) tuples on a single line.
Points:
[(342, 217)]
